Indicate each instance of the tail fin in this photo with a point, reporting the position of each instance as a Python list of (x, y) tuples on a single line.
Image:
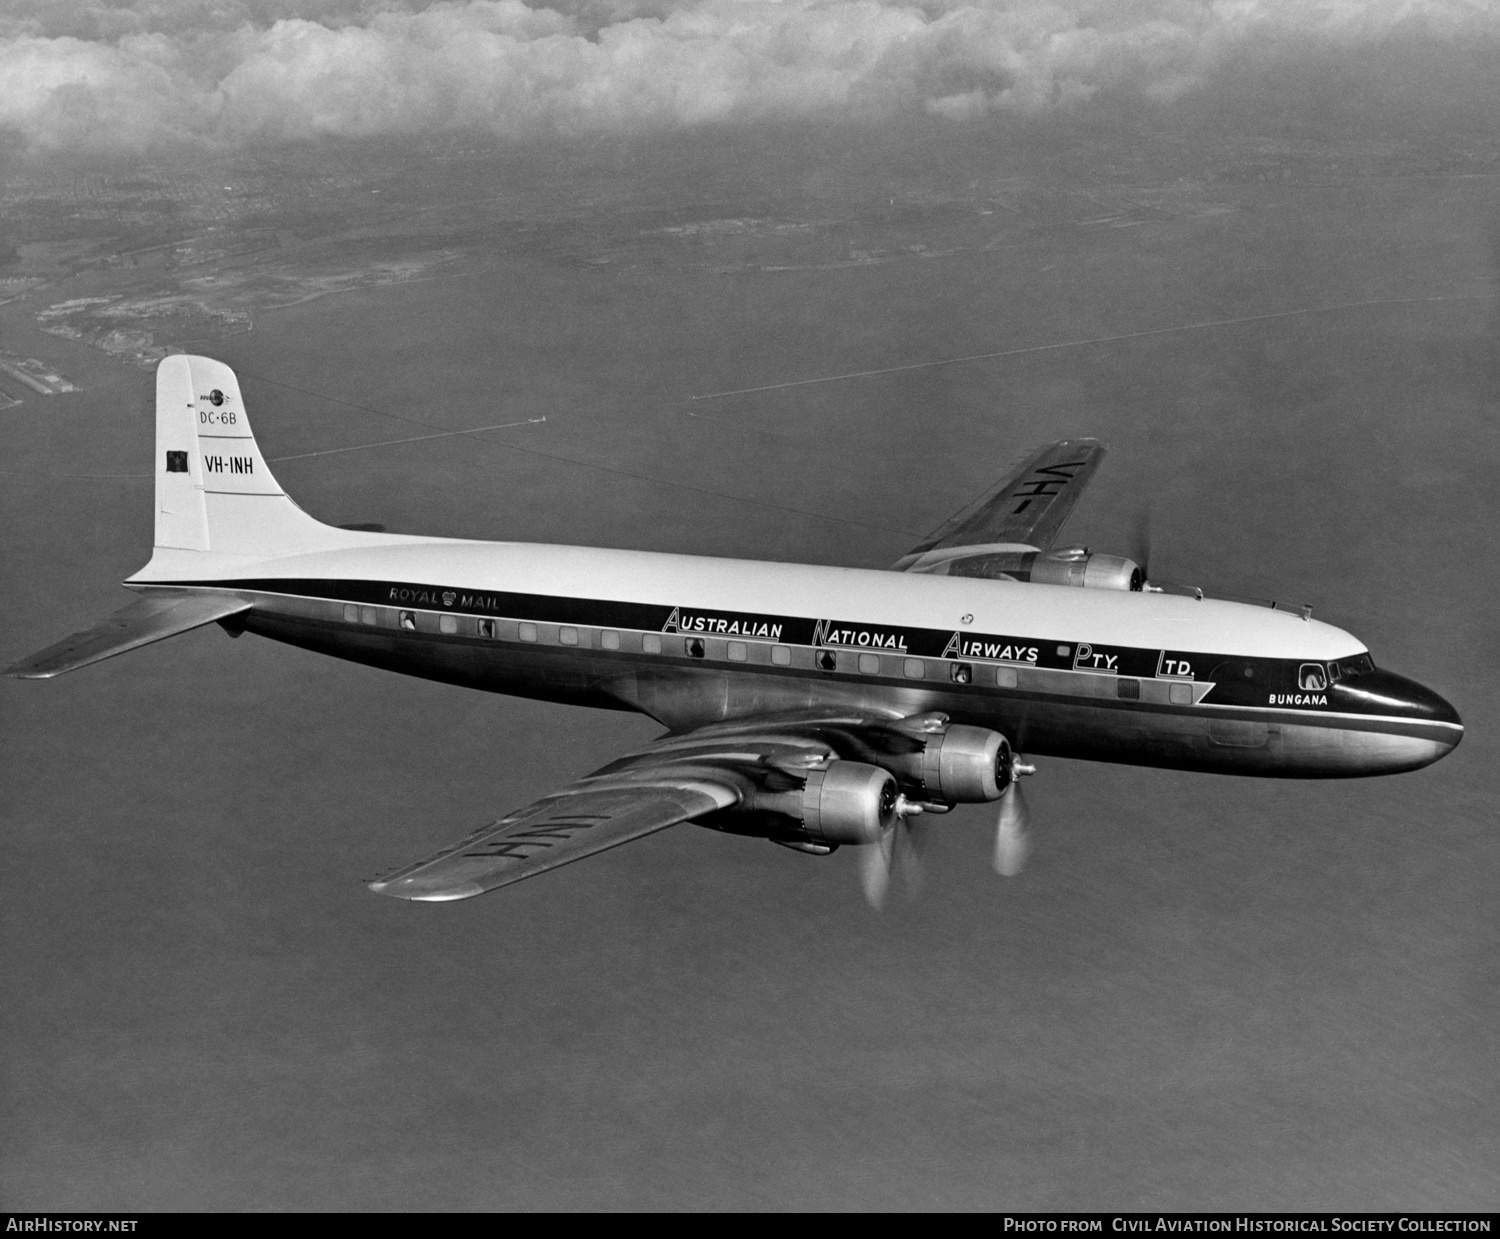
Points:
[(214, 491)]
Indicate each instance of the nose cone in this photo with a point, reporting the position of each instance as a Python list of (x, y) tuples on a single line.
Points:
[(1385, 692), (1420, 726), (1421, 700)]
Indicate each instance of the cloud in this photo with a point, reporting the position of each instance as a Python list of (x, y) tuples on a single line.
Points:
[(96, 75)]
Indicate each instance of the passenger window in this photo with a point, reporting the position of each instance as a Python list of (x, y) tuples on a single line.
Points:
[(609, 639), (1005, 677), (1311, 678), (828, 660), (738, 652), (567, 636), (651, 643), (487, 629), (1180, 694), (351, 613), (367, 615), (869, 664), (961, 673), (448, 624), (408, 621), (1128, 689), (527, 632), (781, 655), (914, 668)]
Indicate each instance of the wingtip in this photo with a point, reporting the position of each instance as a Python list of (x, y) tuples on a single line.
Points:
[(24, 671), (411, 890)]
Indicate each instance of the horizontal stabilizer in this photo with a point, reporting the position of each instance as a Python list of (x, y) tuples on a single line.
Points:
[(160, 614)]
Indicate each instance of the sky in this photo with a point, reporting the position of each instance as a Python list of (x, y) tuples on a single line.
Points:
[(97, 76), (1203, 992)]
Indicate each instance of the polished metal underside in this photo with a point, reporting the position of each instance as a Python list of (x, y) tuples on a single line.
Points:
[(684, 693)]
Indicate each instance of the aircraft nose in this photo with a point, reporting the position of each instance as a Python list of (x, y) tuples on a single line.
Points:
[(1385, 692), (1423, 701), (1395, 696)]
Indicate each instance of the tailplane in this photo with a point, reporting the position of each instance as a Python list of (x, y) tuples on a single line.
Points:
[(218, 507), (160, 614)]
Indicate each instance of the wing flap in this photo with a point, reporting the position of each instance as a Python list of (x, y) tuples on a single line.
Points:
[(160, 614), (1023, 512), (554, 831)]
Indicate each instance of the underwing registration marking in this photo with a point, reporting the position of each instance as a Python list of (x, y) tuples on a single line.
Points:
[(1041, 487), (520, 845)]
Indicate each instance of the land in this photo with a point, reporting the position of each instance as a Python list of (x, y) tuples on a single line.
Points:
[(160, 258)]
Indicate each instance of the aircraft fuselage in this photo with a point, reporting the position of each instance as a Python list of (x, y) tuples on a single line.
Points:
[(1145, 679)]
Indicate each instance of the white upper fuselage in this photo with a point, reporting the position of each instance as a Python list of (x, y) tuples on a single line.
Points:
[(870, 596)]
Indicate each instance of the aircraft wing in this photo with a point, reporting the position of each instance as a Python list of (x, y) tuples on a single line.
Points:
[(158, 615), (1025, 511), (676, 779), (585, 819)]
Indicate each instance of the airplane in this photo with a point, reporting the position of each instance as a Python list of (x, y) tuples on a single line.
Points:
[(816, 707)]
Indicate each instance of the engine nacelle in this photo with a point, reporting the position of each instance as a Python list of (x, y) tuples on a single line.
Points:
[(1076, 566), (956, 764), (1087, 571), (965, 765), (848, 802)]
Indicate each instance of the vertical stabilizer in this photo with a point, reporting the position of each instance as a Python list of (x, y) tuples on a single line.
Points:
[(214, 491), (181, 515)]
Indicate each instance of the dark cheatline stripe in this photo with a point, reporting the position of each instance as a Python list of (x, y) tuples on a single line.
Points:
[(1264, 683), (650, 617)]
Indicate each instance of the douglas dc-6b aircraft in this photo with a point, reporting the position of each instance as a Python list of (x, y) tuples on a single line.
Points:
[(811, 706)]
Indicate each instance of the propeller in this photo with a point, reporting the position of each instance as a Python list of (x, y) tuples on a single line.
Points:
[(898, 852), (1140, 544), (875, 863), (911, 843), (1012, 840), (1139, 550)]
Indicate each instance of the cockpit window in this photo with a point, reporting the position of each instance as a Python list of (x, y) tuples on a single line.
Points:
[(1348, 668), (1311, 678)]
